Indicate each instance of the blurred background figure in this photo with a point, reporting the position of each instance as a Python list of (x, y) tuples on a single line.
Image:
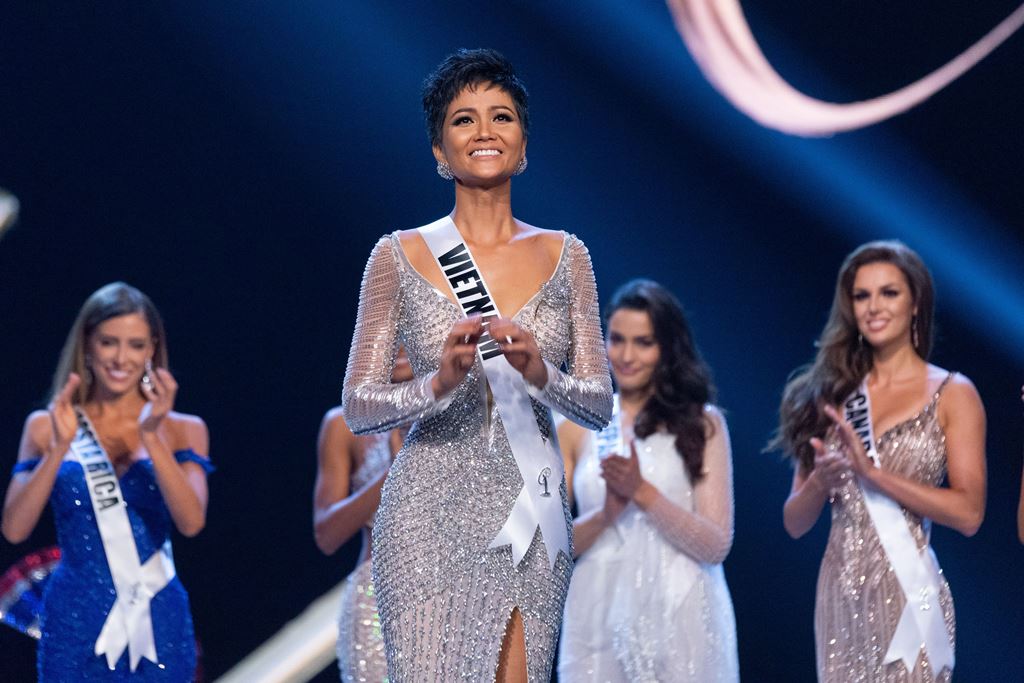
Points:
[(648, 599), (883, 609), (119, 468), (350, 473)]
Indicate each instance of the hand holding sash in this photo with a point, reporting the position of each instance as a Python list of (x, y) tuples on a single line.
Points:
[(521, 350), (161, 393), (457, 355)]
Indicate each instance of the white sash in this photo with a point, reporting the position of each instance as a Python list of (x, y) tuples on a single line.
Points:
[(540, 465), (921, 624), (129, 623)]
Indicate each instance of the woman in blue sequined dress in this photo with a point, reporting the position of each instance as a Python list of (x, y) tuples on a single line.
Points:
[(112, 386)]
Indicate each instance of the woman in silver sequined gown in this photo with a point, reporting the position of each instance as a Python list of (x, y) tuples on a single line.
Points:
[(450, 606), (350, 473), (928, 425)]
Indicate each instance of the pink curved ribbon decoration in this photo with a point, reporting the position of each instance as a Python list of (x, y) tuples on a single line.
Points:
[(717, 35)]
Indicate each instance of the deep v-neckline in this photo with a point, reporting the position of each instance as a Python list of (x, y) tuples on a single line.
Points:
[(543, 285), (916, 416)]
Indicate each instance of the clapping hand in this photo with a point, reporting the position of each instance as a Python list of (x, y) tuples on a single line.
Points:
[(63, 419), (622, 475), (860, 463), (832, 467), (160, 392)]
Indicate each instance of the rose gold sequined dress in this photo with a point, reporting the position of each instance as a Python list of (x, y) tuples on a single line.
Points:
[(859, 599), (444, 596)]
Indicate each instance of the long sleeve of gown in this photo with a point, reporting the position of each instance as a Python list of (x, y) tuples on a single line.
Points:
[(370, 402), (706, 533), (584, 393)]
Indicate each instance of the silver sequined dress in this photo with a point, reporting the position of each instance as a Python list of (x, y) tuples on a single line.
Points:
[(859, 599), (444, 597), (360, 644)]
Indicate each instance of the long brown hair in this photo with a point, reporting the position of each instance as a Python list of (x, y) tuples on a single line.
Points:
[(843, 358), (682, 381), (109, 301)]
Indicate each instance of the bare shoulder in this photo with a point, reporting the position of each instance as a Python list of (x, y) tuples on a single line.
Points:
[(416, 251), (188, 432), (334, 426), (36, 435), (959, 397), (715, 414), (552, 241)]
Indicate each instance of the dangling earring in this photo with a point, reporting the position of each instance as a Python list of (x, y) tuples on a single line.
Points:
[(860, 339), (444, 170), (913, 332), (521, 167)]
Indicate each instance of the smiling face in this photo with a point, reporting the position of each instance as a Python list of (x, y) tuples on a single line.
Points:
[(883, 304), (482, 140), (118, 350), (633, 350)]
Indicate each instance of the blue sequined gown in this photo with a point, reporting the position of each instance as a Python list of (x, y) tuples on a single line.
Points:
[(80, 593)]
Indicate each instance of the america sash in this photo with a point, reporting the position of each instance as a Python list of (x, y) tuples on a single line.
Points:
[(129, 624), (540, 465), (921, 623)]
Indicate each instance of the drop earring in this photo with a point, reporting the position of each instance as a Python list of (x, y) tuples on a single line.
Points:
[(913, 333), (523, 163), (445, 171)]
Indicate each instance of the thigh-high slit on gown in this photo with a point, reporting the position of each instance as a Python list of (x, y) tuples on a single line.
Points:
[(444, 597)]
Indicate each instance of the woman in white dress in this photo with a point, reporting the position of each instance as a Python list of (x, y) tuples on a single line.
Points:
[(648, 599)]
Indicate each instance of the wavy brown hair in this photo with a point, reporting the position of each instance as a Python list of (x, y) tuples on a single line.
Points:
[(682, 380), (109, 301), (843, 358)]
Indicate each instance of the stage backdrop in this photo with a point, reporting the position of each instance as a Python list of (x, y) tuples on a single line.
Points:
[(237, 161)]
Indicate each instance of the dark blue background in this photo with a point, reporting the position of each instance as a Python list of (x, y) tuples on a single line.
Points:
[(237, 160)]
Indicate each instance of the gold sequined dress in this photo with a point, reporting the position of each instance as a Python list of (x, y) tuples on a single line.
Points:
[(859, 600), (444, 597), (360, 645)]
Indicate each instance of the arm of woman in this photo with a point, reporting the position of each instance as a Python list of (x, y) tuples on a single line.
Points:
[(339, 514), (584, 393), (961, 504), (371, 402), (812, 489), (587, 527), (29, 491), (46, 438), (1020, 505), (182, 484), (706, 533), (1020, 511)]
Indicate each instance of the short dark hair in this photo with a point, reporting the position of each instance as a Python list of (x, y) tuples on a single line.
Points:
[(467, 69)]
